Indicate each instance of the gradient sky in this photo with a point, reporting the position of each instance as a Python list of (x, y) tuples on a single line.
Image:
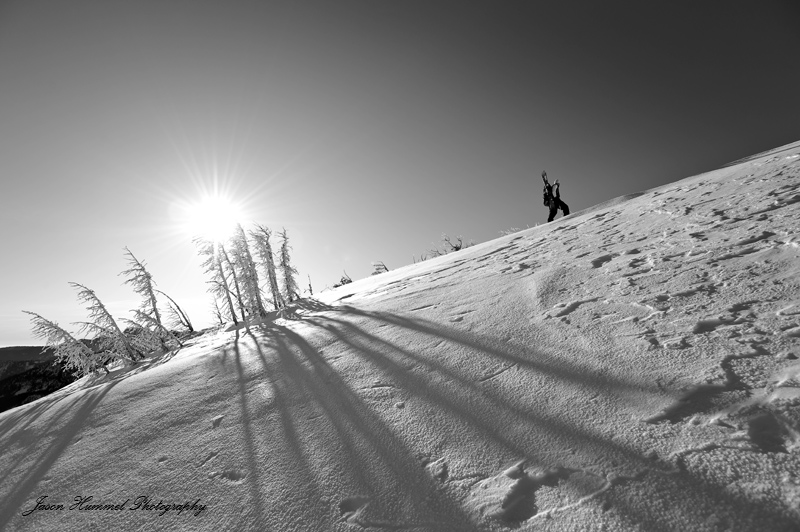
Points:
[(365, 128)]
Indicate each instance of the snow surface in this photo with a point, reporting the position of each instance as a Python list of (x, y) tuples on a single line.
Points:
[(629, 367)]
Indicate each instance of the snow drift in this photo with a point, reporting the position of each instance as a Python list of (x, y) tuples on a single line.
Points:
[(629, 367)]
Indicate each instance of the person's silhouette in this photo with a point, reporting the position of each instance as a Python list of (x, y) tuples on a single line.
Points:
[(552, 198)]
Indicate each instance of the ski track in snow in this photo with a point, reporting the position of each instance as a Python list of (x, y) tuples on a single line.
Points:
[(630, 367)]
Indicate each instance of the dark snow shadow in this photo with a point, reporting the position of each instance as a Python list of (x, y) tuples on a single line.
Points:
[(321, 416), (247, 427), (19, 497), (452, 392)]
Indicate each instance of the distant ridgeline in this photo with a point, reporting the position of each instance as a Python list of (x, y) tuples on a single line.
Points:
[(26, 374)]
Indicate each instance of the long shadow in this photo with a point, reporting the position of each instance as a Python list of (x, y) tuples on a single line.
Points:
[(541, 362), (490, 424), (19, 494), (426, 389), (250, 454), (686, 484), (20, 419), (375, 349), (360, 431), (293, 440), (312, 384), (19, 434)]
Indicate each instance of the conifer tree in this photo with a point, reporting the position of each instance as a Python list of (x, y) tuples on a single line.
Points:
[(147, 315), (103, 327), (223, 253), (245, 268), (290, 289), (261, 236), (149, 334), (213, 265), (73, 354), (143, 284)]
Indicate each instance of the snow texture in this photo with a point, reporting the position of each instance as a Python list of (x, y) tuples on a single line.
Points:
[(629, 367)]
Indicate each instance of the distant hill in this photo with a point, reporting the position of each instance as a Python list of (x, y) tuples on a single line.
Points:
[(27, 373), (22, 352)]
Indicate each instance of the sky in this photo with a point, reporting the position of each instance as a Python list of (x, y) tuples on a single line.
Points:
[(365, 128)]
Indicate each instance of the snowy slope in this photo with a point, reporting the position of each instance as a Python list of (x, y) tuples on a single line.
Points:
[(630, 367)]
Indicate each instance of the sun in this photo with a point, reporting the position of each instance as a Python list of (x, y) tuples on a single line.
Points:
[(213, 218)]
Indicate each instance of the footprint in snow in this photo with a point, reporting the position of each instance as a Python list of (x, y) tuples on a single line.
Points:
[(599, 261), (637, 262), (232, 476), (768, 434)]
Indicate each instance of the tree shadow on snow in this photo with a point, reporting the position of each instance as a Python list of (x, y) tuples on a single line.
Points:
[(313, 403), (18, 497), (359, 430)]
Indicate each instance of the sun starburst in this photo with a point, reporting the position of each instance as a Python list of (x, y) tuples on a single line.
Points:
[(211, 218)]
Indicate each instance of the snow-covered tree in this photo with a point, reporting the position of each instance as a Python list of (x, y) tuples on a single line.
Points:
[(225, 258), (245, 268), (290, 289), (343, 281), (143, 336), (213, 265), (73, 354), (175, 315), (104, 329), (261, 236), (146, 335), (143, 284), (147, 315)]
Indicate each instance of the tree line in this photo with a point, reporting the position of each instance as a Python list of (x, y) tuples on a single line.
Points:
[(235, 268), (246, 279)]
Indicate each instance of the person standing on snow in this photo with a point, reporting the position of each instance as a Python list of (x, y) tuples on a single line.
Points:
[(552, 199)]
